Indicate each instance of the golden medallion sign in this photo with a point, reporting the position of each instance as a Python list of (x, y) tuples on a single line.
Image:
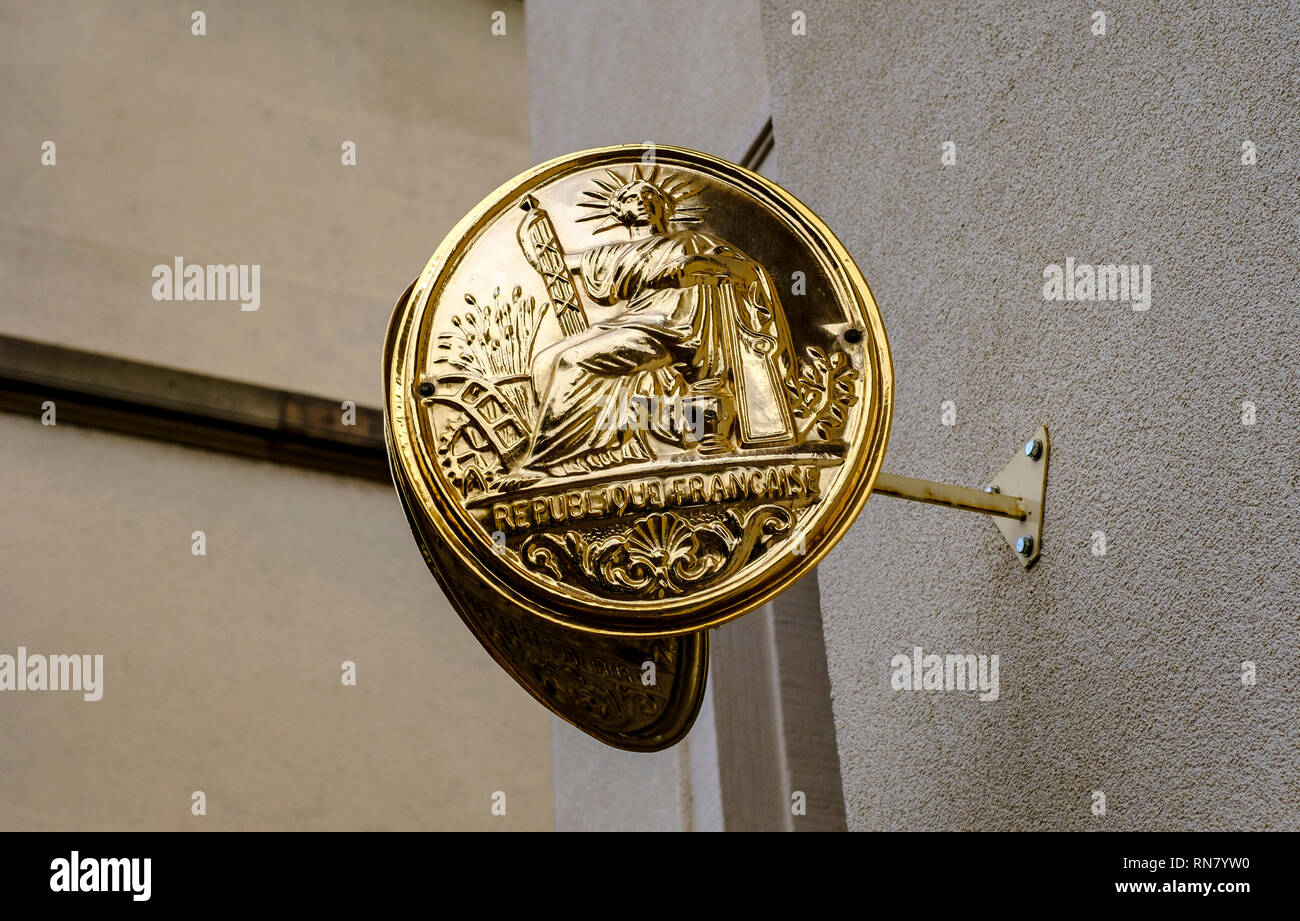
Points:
[(637, 392)]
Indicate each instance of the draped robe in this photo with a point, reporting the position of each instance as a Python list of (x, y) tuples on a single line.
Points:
[(590, 384)]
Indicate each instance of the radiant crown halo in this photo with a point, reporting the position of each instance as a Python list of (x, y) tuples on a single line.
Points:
[(677, 193)]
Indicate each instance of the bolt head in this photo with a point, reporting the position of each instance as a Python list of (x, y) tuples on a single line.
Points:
[(1033, 449), (1024, 545)]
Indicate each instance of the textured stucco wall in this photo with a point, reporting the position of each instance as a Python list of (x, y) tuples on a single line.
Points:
[(1119, 673)]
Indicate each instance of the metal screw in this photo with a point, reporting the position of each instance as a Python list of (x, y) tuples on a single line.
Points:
[(1033, 449), (992, 489), (1024, 545), (425, 389)]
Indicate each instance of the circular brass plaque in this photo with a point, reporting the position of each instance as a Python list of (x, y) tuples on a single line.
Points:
[(636, 391)]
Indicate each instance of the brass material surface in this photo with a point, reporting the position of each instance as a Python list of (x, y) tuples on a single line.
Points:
[(636, 393), (960, 497), (637, 694), (621, 397)]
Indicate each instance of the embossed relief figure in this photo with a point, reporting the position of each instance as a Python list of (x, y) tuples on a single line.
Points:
[(543, 410), (701, 334)]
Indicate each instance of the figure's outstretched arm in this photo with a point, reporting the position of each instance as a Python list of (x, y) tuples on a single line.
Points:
[(715, 268)]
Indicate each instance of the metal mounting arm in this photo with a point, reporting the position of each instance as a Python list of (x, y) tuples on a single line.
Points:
[(1014, 498)]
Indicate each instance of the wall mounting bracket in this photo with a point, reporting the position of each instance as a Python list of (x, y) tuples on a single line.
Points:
[(1014, 498)]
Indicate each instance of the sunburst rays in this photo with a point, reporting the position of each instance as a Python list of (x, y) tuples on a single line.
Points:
[(677, 191)]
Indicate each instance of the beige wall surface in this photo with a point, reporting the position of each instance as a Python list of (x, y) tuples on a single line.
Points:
[(1120, 673), (688, 73), (223, 672), (226, 149)]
